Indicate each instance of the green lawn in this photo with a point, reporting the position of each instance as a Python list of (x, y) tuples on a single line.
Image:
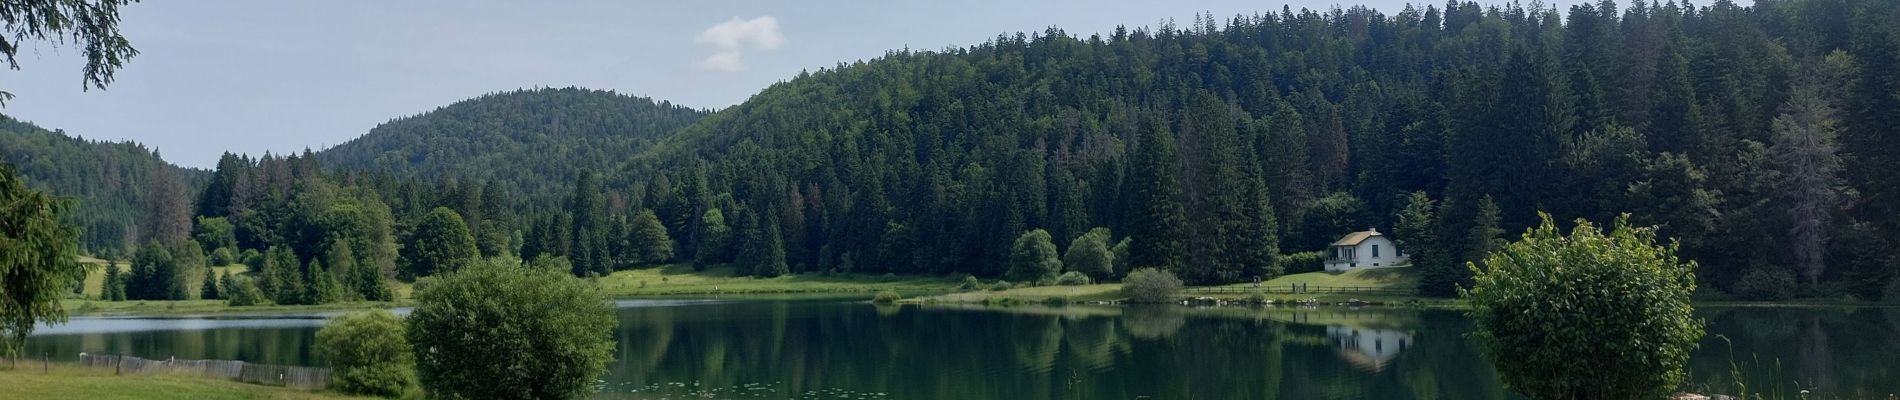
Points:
[(680, 279), (74, 382), (1401, 277)]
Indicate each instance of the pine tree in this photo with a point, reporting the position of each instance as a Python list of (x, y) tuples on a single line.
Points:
[(1156, 220), (323, 287), (209, 289), (284, 276), (114, 289), (771, 260)]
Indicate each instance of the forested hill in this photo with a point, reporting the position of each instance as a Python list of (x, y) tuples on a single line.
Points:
[(1760, 137), (122, 191), (532, 141)]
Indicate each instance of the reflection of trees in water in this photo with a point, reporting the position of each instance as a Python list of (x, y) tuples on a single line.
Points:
[(285, 346), (1153, 321), (1837, 353)]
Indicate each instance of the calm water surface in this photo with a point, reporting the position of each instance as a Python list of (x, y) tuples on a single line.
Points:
[(815, 349)]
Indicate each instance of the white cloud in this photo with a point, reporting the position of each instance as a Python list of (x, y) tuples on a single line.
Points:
[(730, 39)]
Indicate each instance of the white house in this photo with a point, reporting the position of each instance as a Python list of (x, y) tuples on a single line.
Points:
[(1364, 249)]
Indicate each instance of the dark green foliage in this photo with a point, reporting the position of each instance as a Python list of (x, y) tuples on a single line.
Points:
[(1090, 254), (1332, 216), (1073, 278), (1033, 258), (283, 277), (113, 289), (495, 330), (214, 233), (1303, 262), (242, 291), (223, 257), (37, 266), (321, 286), (440, 243), (650, 240), (369, 353), (1156, 220), (1766, 284), (528, 142), (1149, 285), (1586, 316), (208, 290), (117, 185), (886, 297), (155, 275)]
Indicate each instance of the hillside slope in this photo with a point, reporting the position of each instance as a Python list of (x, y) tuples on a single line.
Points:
[(1218, 145), (532, 141), (124, 193)]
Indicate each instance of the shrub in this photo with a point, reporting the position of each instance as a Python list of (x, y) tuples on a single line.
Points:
[(1149, 285), (1055, 301), (970, 283), (1072, 278), (1767, 284), (886, 297), (241, 291), (1297, 263), (368, 353), (223, 256), (1001, 286), (494, 330), (1589, 316), (252, 258), (1257, 298)]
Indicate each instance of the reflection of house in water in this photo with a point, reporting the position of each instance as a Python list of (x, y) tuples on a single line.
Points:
[(1368, 348)]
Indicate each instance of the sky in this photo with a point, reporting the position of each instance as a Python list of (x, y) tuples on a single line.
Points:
[(281, 76)]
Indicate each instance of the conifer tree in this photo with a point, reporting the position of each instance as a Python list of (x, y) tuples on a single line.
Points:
[(1156, 219)]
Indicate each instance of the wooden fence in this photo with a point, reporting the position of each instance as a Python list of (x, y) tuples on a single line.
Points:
[(311, 378), (1306, 289)]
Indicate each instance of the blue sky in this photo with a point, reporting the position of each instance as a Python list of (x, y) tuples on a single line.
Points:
[(280, 76)]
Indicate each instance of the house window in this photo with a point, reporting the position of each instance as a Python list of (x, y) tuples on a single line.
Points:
[(1375, 251)]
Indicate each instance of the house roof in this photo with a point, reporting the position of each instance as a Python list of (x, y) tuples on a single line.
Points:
[(1353, 239)]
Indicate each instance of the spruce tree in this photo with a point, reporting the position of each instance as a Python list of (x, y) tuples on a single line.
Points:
[(1156, 220), (209, 289)]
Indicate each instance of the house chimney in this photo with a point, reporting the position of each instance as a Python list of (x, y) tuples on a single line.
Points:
[(1373, 229)]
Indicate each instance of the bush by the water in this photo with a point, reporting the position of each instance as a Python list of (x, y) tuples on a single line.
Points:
[(971, 283), (1588, 316), (1001, 286), (1072, 278), (1303, 262), (1149, 285), (886, 297), (1766, 284), (369, 353), (496, 330), (241, 291)]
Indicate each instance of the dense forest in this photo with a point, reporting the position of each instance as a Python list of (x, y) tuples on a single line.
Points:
[(1228, 150), (533, 141), (128, 194), (1755, 136)]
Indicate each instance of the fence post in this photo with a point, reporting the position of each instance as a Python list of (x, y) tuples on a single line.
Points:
[(46, 363), (118, 363)]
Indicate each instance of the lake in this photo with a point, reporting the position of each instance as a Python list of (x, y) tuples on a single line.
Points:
[(839, 349)]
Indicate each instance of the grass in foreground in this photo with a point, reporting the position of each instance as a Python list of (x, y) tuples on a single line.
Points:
[(680, 279), (74, 382)]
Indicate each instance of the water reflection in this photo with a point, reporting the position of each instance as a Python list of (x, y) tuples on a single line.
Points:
[(830, 348)]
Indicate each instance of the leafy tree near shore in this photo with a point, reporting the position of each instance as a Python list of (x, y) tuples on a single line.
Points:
[(1150, 285), (370, 353), (649, 238), (440, 243), (496, 330), (1586, 316), (37, 260), (1090, 254), (1033, 258)]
